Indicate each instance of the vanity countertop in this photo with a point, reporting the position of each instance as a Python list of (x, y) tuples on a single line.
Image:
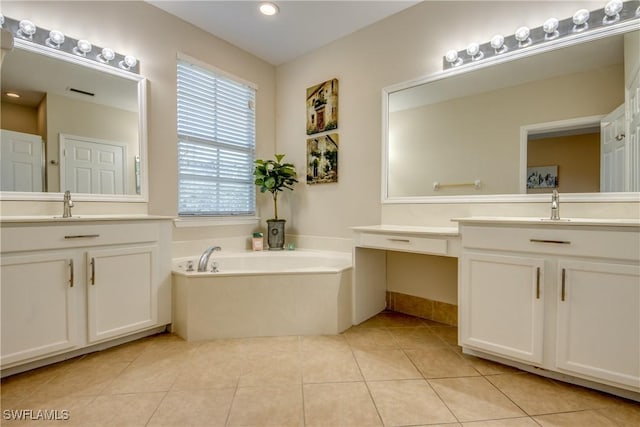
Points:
[(409, 230), (17, 219), (546, 221)]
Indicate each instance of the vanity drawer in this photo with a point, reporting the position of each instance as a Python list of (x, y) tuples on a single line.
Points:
[(403, 243), (40, 237), (621, 244)]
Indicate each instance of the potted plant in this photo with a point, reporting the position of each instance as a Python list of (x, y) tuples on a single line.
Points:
[(274, 176)]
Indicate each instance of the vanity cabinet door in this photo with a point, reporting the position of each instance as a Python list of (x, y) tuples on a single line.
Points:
[(38, 295), (122, 290), (501, 300), (598, 324)]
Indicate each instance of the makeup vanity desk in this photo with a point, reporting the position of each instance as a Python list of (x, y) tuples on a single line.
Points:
[(369, 259)]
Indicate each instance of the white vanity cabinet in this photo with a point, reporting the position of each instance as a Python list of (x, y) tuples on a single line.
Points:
[(503, 307), (69, 285), (38, 305), (563, 296)]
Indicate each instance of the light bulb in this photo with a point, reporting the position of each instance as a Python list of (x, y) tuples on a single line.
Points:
[(612, 11), (581, 17), (82, 48), (473, 50), (1, 20), (550, 28), (522, 35), (106, 55), (26, 29), (451, 57), (128, 62), (269, 9), (497, 42), (613, 8), (56, 38)]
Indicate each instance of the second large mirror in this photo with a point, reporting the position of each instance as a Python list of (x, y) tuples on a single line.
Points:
[(520, 127), (69, 126)]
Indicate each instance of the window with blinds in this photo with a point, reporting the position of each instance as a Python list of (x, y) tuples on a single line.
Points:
[(216, 143)]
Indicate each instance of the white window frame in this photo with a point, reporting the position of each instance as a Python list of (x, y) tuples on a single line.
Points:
[(194, 218)]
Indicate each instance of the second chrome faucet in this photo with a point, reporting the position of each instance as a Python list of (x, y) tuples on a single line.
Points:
[(555, 205)]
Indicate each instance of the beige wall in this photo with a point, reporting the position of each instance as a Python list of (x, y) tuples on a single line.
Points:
[(19, 118), (154, 37)]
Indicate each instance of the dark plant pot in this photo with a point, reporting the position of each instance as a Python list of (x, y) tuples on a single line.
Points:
[(275, 234)]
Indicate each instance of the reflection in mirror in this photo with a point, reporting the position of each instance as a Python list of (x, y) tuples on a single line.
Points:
[(68, 126), (485, 132)]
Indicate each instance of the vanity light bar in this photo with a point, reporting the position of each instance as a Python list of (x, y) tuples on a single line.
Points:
[(581, 23), (55, 40)]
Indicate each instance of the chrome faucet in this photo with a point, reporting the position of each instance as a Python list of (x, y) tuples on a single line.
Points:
[(204, 258), (68, 204), (555, 205)]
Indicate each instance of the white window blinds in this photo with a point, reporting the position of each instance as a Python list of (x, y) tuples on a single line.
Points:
[(216, 143)]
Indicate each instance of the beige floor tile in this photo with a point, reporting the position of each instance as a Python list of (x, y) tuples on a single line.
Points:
[(408, 402), (209, 370), (441, 362), (339, 404), (123, 410), (385, 365), (127, 352), (61, 408), (270, 344), (194, 408), (537, 395), (329, 366), (279, 368), (416, 338), (267, 406), (24, 384), (321, 343), (147, 374), (507, 422), (484, 366), (624, 412), (447, 333), (224, 346), (370, 339), (87, 377), (572, 419), (474, 399)]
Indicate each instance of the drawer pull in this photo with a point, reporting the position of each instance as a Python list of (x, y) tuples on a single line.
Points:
[(71, 273), (558, 242), (399, 240), (538, 283), (93, 271), (82, 236), (562, 295)]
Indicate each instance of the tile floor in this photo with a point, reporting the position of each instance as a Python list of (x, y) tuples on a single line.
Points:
[(393, 370)]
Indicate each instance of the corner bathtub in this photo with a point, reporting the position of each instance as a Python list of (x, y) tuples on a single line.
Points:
[(269, 293)]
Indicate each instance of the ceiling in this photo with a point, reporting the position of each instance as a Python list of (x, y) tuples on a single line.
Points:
[(299, 28)]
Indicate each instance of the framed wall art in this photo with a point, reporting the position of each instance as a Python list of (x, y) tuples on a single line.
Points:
[(322, 107), (322, 159)]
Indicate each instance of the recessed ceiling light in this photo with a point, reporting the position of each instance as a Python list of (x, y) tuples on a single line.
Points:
[(12, 94), (268, 8)]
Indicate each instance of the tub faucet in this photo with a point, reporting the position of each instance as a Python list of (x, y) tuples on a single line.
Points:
[(68, 204), (204, 258), (555, 205)]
